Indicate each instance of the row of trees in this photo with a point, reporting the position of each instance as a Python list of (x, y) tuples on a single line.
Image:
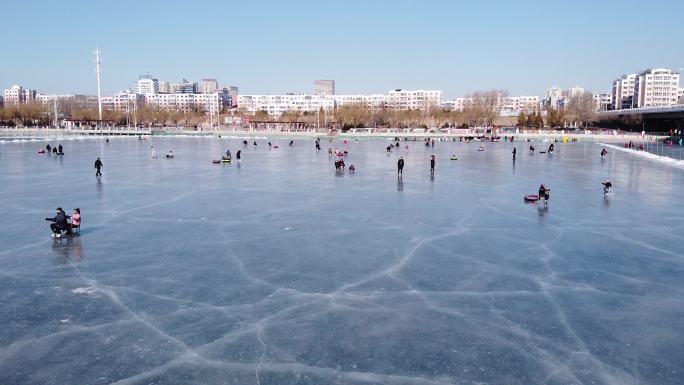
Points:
[(482, 109), (38, 114), (580, 110)]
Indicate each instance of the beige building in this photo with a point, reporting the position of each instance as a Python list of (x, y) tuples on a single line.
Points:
[(324, 87)]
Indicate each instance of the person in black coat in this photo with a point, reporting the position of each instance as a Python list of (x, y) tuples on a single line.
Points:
[(59, 223), (400, 166), (98, 166)]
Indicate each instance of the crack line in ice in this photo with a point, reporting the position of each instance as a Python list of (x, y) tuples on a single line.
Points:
[(605, 374), (291, 367), (263, 352)]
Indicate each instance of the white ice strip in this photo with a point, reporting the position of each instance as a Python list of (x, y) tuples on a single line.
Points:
[(647, 155)]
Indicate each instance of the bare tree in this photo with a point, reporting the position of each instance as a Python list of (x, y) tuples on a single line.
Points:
[(582, 107)]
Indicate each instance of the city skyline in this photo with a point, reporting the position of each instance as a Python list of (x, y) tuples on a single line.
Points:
[(277, 48)]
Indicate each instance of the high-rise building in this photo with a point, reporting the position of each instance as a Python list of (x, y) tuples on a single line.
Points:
[(209, 86), (146, 85), (623, 91), (233, 96), (184, 87), (553, 93), (324, 87), (164, 87), (656, 88)]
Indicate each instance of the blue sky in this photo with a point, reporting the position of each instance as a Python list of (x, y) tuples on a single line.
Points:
[(365, 45)]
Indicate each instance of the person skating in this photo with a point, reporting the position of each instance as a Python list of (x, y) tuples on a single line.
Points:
[(550, 148), (514, 152), (604, 152), (607, 186), (59, 223), (432, 164), (543, 193), (98, 166), (48, 148), (60, 150), (291, 143), (400, 166), (237, 155)]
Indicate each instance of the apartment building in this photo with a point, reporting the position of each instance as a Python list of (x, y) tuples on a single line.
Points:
[(623, 91), (19, 95), (656, 88), (603, 102), (276, 105), (414, 99), (184, 102)]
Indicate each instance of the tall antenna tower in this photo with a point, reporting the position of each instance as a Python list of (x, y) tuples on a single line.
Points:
[(97, 70)]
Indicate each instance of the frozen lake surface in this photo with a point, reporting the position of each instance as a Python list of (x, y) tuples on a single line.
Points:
[(280, 271)]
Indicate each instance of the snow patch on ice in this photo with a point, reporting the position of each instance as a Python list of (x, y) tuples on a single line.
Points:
[(647, 155), (89, 290)]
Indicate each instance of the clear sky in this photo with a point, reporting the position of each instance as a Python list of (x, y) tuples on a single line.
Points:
[(365, 45)]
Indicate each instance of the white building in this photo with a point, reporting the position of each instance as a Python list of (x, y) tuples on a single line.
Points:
[(507, 105), (324, 87), (573, 91), (603, 102), (275, 105), (164, 87), (208, 103), (209, 86), (373, 101), (45, 99), (514, 105), (19, 95), (623, 91), (554, 93), (656, 88), (414, 100), (184, 87), (122, 101), (146, 85), (681, 95)]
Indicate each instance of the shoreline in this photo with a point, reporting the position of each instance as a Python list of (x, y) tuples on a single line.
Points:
[(242, 134)]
